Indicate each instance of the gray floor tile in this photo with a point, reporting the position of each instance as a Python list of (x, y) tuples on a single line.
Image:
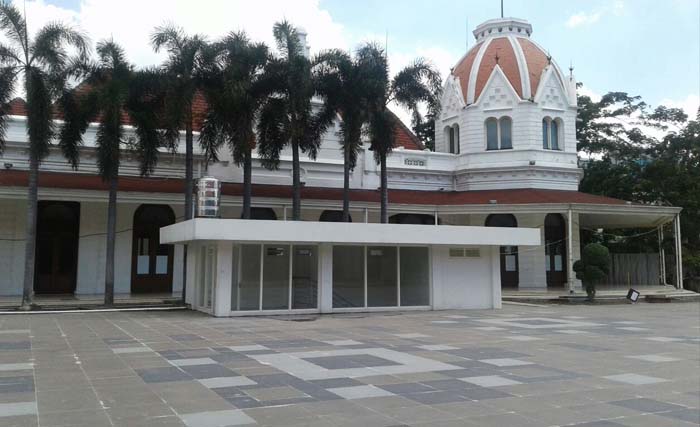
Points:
[(159, 375)]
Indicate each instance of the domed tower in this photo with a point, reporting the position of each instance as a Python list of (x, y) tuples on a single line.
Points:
[(509, 113)]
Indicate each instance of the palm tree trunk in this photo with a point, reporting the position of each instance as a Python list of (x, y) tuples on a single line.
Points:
[(189, 184), (384, 190), (346, 185), (111, 240), (30, 234), (296, 183), (247, 183)]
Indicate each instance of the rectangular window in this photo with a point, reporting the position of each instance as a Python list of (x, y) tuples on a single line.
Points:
[(248, 292), (414, 276), (452, 140), (382, 280), (275, 277), (545, 134), (304, 277), (348, 276)]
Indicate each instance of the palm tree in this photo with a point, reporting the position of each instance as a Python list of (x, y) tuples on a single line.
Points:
[(417, 84), (112, 88), (235, 86), (288, 119), (182, 68), (44, 65), (349, 84)]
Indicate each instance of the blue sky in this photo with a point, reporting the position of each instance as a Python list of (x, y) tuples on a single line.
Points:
[(645, 47)]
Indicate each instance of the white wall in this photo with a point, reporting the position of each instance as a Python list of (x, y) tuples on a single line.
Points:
[(463, 282), (12, 225)]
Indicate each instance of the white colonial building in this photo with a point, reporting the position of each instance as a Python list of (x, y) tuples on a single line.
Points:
[(505, 157)]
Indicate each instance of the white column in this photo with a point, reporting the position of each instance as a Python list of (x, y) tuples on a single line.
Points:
[(679, 253), (570, 250), (192, 282), (662, 256), (222, 284), (496, 275), (325, 277)]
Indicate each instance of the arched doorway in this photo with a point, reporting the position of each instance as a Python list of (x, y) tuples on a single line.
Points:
[(151, 262), (333, 216), (555, 249), (412, 218), (510, 275), (56, 263)]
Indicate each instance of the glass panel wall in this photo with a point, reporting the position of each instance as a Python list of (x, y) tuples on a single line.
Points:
[(382, 280), (304, 277), (248, 292), (383, 273), (415, 276), (276, 277), (348, 276)]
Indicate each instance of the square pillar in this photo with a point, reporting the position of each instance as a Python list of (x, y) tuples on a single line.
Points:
[(192, 283), (531, 259), (325, 277), (573, 250), (222, 284), (495, 252)]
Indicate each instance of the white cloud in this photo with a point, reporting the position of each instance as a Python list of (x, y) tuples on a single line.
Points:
[(582, 18), (588, 18), (690, 104), (587, 91), (131, 22)]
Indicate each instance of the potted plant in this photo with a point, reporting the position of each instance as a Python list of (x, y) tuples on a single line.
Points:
[(593, 267)]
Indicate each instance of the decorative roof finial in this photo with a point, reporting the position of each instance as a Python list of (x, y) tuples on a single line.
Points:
[(571, 69), (549, 58), (501, 8)]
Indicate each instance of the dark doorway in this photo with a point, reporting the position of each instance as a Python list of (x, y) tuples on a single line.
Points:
[(410, 218), (333, 216), (262, 213), (555, 250), (151, 262), (510, 275), (56, 264)]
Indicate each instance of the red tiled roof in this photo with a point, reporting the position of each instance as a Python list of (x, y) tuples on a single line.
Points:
[(18, 178), (404, 137)]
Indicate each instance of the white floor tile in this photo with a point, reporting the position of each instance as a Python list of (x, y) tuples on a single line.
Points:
[(226, 382), (360, 392), (490, 381), (506, 362), (635, 379)]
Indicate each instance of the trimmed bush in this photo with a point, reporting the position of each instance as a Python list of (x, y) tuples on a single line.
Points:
[(593, 267)]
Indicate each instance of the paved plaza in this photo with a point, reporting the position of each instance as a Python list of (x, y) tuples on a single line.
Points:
[(603, 366)]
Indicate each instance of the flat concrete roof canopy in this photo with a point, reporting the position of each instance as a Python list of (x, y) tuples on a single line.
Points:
[(240, 230)]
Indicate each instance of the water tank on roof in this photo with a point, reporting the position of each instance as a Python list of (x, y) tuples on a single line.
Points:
[(208, 197)]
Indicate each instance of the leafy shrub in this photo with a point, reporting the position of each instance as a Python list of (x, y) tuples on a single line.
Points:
[(593, 267)]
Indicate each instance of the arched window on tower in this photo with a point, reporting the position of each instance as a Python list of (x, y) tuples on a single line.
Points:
[(551, 133), (454, 139), (499, 133), (506, 125)]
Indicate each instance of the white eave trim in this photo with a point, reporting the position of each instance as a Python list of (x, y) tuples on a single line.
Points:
[(208, 229)]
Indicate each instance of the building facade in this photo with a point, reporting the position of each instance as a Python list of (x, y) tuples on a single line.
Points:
[(505, 157)]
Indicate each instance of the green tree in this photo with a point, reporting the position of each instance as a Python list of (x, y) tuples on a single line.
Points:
[(348, 84), (183, 81), (288, 118), (236, 86), (418, 84), (645, 155), (111, 89), (43, 64)]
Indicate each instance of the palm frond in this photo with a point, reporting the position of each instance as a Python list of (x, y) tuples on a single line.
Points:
[(168, 36), (49, 45), (14, 26), (273, 126), (8, 77), (78, 109), (40, 126), (109, 138), (287, 39), (9, 56)]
